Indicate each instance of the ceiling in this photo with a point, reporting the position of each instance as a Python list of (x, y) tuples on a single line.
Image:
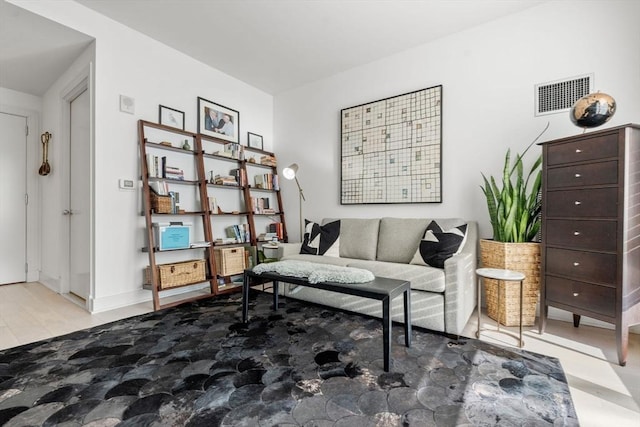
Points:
[(274, 45), (34, 51)]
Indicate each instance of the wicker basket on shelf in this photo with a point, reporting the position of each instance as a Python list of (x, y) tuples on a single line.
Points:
[(178, 274), (522, 257), (160, 204)]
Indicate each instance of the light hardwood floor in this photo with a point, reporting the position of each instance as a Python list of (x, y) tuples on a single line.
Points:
[(604, 393)]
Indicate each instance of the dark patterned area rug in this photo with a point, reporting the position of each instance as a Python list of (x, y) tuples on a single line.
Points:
[(197, 365)]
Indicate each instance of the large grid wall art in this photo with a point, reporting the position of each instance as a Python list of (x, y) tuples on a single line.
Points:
[(392, 150)]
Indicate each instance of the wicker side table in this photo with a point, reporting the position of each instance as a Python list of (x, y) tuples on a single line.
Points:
[(505, 276)]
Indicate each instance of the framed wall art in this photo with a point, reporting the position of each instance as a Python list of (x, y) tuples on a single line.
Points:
[(218, 121), (254, 140), (392, 150), (171, 117)]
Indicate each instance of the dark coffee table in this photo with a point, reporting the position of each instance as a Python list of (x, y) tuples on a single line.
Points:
[(381, 289)]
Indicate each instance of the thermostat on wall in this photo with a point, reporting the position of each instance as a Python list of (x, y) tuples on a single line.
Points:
[(126, 184)]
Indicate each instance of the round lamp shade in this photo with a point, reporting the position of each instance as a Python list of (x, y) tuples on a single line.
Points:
[(290, 171)]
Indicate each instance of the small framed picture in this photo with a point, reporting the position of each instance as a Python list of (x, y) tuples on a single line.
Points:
[(171, 117), (254, 140), (218, 121)]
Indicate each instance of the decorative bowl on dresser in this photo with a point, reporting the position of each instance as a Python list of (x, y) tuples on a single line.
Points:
[(590, 254)]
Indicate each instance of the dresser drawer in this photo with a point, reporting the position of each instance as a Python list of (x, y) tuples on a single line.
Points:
[(594, 298), (589, 266), (580, 175), (576, 234), (588, 203), (598, 147)]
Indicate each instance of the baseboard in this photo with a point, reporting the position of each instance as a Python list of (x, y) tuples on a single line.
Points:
[(52, 283), (113, 302)]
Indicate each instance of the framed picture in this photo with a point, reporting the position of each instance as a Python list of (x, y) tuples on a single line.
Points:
[(171, 117), (254, 140), (218, 121), (392, 150)]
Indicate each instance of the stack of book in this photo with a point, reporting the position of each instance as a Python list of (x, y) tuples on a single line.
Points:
[(232, 151), (171, 172), (224, 180), (261, 206), (268, 160)]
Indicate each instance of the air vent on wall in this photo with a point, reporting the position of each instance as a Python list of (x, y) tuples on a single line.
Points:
[(560, 95)]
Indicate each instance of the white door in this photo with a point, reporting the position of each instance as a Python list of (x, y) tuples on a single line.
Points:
[(13, 190), (79, 197)]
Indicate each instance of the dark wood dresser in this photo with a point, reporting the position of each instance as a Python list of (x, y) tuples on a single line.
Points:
[(591, 229)]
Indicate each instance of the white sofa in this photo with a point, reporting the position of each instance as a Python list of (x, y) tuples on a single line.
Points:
[(441, 299)]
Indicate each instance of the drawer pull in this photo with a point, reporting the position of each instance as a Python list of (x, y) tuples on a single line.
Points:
[(578, 175), (575, 294), (578, 150), (576, 264), (576, 233), (577, 203)]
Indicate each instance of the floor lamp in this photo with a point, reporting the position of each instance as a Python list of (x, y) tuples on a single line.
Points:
[(291, 172)]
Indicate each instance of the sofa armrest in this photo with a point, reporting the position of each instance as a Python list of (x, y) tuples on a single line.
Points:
[(460, 287)]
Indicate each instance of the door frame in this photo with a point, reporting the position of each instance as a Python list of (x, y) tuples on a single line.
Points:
[(83, 81), (33, 239)]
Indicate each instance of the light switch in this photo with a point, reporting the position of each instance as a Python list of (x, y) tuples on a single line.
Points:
[(126, 184)]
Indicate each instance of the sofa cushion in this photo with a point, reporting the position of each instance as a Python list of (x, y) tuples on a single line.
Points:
[(422, 278), (321, 240), (319, 259), (399, 237), (359, 238), (438, 245)]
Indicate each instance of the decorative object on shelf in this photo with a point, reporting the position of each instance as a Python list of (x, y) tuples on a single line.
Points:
[(45, 168), (291, 172), (398, 141), (254, 140), (186, 145), (218, 121), (593, 110), (171, 117), (514, 211)]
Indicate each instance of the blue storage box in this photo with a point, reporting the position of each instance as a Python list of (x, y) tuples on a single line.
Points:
[(172, 236)]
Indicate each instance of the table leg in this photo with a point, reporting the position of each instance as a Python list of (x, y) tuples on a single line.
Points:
[(386, 332), (275, 295), (498, 282), (479, 297), (407, 317), (521, 304), (245, 297)]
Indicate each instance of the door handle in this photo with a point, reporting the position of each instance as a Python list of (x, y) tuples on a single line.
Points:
[(67, 212)]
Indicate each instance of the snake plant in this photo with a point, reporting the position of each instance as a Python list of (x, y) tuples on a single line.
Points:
[(514, 209)]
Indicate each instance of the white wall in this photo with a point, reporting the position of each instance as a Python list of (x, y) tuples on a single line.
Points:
[(29, 106), (129, 63), (488, 75)]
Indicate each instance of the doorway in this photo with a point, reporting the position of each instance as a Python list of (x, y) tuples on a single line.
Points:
[(13, 198), (78, 210)]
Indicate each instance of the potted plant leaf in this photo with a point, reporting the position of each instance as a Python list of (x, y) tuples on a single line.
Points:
[(514, 210)]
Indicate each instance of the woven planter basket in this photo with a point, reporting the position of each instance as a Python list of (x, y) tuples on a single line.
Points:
[(522, 257)]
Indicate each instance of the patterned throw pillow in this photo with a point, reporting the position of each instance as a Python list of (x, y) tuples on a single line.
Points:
[(437, 245), (321, 239)]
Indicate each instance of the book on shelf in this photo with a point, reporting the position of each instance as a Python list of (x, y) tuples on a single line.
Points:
[(239, 232), (213, 205), (161, 188), (240, 175), (200, 244), (225, 180)]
